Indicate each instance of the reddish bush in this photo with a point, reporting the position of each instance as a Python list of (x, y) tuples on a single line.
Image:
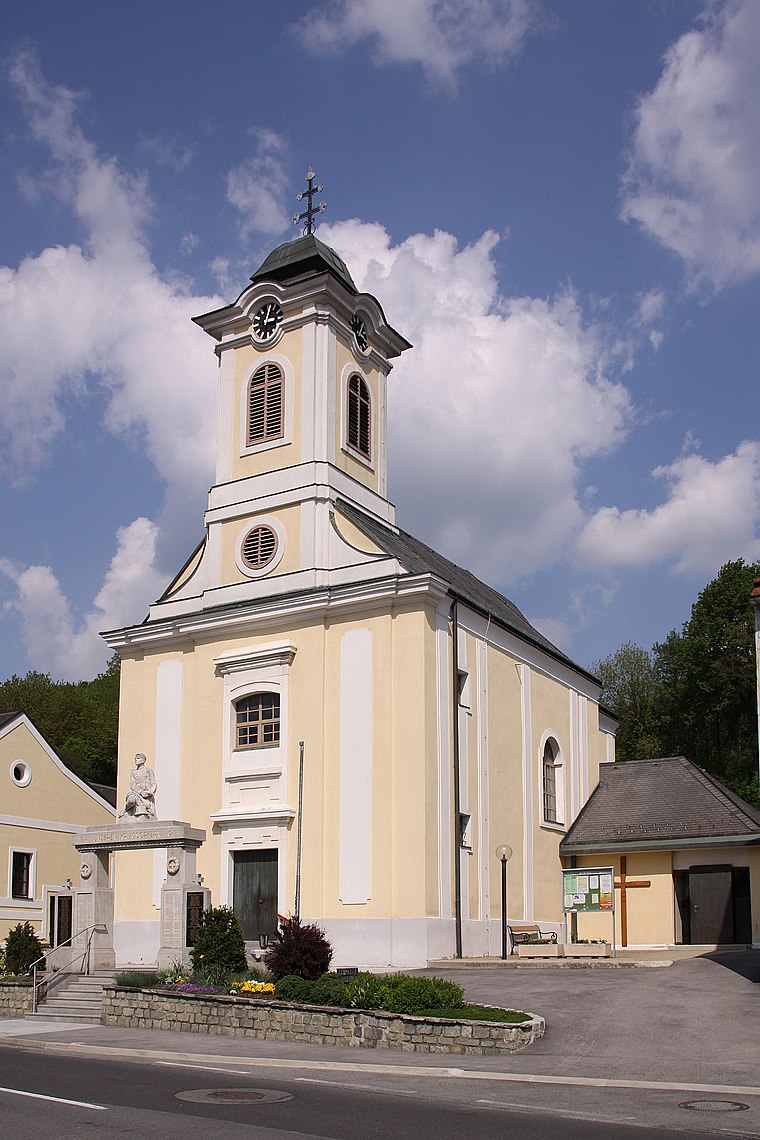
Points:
[(302, 950)]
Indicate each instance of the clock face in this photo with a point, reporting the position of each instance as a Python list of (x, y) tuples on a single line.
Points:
[(266, 320), (359, 330)]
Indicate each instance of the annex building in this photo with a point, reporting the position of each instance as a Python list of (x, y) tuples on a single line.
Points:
[(356, 723), (685, 851), (43, 805)]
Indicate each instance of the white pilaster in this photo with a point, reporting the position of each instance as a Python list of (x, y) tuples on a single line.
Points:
[(529, 820), (355, 796)]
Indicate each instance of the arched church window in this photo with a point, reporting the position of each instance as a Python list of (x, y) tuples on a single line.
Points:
[(549, 765), (359, 435), (265, 404), (257, 720)]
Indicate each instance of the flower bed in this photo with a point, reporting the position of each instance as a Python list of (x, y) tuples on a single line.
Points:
[(232, 1016)]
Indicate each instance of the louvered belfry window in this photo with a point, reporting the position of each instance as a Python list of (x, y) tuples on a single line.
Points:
[(359, 435), (259, 547), (265, 405), (257, 720)]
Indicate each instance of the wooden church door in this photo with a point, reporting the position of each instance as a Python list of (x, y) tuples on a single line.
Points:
[(711, 897), (254, 891)]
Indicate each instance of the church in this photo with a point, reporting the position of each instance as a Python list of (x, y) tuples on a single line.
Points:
[(355, 724)]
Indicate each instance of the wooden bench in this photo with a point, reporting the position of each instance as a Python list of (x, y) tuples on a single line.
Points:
[(530, 932)]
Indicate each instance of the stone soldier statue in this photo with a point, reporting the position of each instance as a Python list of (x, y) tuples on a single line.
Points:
[(141, 797)]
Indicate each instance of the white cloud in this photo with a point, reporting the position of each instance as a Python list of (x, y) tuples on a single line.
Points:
[(110, 321), (189, 243), (169, 152), (441, 35), (54, 641), (693, 181), (712, 511), (259, 186), (493, 413)]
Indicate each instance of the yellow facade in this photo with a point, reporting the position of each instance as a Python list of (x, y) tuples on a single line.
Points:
[(44, 805), (650, 917), (423, 717)]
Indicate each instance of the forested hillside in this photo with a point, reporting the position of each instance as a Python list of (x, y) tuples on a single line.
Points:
[(80, 720), (695, 694)]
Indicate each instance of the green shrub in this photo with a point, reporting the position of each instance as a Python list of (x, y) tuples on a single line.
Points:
[(139, 979), (329, 990), (301, 949), (22, 948), (409, 994), (365, 991), (2, 962), (293, 988), (219, 949)]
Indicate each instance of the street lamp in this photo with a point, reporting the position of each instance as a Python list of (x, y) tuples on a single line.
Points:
[(504, 853)]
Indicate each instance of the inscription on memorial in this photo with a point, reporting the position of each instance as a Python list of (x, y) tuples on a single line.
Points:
[(194, 912), (171, 918), (85, 911), (156, 835)]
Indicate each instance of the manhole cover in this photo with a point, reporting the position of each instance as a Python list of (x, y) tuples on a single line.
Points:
[(234, 1096), (713, 1105)]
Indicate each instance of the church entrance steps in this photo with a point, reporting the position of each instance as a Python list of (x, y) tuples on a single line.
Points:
[(78, 997)]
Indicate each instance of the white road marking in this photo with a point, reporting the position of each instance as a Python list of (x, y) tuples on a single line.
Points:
[(57, 1099), (428, 1071), (203, 1068)]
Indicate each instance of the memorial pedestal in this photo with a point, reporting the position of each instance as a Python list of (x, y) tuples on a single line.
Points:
[(183, 898)]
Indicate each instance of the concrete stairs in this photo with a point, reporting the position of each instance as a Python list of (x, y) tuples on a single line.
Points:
[(76, 998)]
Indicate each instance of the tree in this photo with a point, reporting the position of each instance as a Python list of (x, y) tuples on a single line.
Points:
[(695, 693), (707, 681), (78, 719), (630, 691)]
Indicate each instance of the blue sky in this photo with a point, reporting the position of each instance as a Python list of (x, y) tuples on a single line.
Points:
[(557, 203)]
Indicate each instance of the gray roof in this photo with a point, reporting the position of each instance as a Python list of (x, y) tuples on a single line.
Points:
[(6, 718), (655, 804), (418, 558), (304, 255), (106, 792)]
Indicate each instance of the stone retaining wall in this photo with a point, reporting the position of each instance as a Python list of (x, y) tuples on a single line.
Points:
[(15, 998), (317, 1025)]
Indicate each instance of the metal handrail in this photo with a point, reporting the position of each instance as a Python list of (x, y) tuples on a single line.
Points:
[(85, 956)]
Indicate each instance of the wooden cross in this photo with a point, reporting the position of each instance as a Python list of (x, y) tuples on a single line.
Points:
[(624, 884)]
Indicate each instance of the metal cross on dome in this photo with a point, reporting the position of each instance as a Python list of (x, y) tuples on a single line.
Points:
[(311, 209)]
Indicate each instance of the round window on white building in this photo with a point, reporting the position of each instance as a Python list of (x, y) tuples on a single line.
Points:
[(21, 773)]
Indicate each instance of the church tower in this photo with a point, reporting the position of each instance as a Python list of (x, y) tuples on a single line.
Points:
[(304, 360)]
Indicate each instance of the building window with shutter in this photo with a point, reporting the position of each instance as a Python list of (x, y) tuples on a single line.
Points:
[(265, 405), (358, 418), (257, 720)]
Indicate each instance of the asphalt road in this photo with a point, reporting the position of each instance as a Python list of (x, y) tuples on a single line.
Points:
[(697, 1020), (71, 1099), (635, 1052)]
